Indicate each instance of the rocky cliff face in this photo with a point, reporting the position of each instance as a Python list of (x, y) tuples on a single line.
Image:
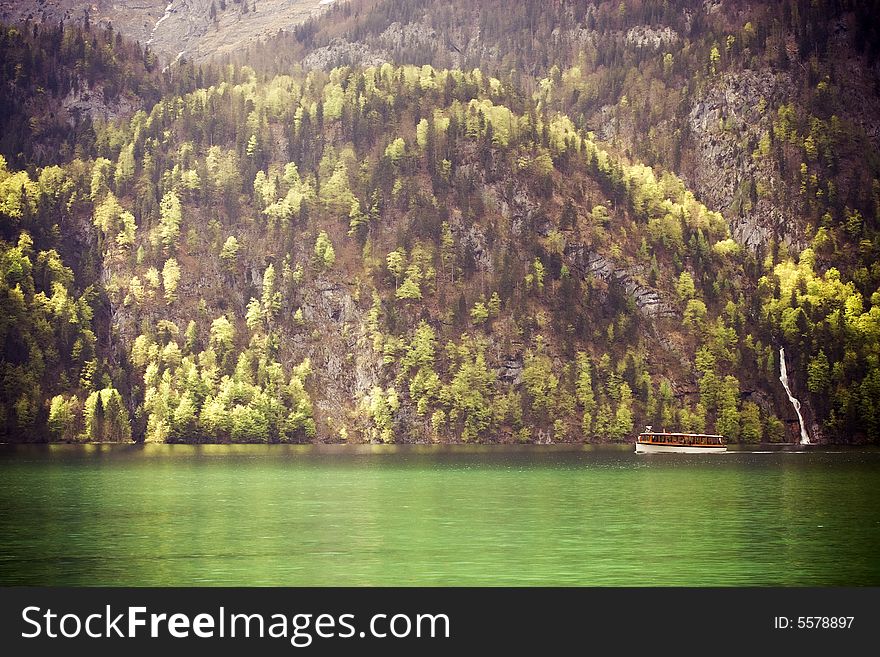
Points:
[(189, 29), (135, 19), (194, 29), (91, 102), (648, 300), (724, 121), (341, 53)]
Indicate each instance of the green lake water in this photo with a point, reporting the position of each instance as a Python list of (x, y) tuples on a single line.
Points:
[(374, 515)]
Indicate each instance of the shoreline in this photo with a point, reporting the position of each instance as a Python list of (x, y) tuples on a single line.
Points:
[(436, 447)]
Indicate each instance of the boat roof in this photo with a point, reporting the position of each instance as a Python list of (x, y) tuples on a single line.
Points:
[(674, 433)]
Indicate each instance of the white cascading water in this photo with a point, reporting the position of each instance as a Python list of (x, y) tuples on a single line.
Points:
[(783, 376), (159, 22)]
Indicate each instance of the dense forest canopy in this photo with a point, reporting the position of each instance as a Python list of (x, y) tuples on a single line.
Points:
[(495, 238)]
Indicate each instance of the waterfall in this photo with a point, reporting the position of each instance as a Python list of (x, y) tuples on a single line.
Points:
[(159, 22), (783, 376)]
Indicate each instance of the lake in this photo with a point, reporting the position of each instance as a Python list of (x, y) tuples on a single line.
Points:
[(464, 515)]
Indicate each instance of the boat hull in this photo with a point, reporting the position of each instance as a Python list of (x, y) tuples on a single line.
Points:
[(645, 448)]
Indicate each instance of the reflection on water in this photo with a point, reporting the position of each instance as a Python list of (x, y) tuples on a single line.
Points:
[(427, 515)]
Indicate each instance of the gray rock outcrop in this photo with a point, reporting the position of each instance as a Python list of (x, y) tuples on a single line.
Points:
[(647, 299)]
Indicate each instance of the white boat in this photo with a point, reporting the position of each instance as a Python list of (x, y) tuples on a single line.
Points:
[(661, 442)]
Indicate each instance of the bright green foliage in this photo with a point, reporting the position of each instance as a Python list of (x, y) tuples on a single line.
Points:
[(854, 222), (381, 405), (325, 256), (540, 272), (469, 394), (249, 424), (252, 146), (254, 314), (395, 150), (46, 328), (262, 313), (602, 426), (63, 418), (170, 217), (481, 191), (438, 420), (695, 313), (125, 166), (479, 313), (584, 392), (184, 421), (222, 335), (410, 289), (819, 373), (422, 349), (101, 172), (540, 381), (714, 59), (622, 425), (229, 253), (115, 223), (728, 420), (395, 261), (17, 193), (187, 400), (494, 305), (692, 419), (751, 422), (299, 194), (806, 306), (106, 418), (726, 248), (336, 194), (425, 387), (665, 412), (422, 134), (271, 298), (685, 287), (170, 279), (600, 215), (224, 176)]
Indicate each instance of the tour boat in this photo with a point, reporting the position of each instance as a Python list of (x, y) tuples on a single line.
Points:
[(656, 442)]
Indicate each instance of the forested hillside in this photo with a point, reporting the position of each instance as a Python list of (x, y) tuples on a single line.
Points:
[(363, 241)]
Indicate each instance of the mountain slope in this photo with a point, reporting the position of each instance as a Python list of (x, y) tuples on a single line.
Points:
[(412, 253), (693, 87), (194, 29)]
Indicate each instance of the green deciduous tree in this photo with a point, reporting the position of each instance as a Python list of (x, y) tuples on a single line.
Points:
[(229, 253), (584, 391), (750, 416), (325, 256), (819, 373), (540, 381), (410, 289), (106, 418), (479, 313), (170, 217), (170, 279), (470, 394), (395, 150), (685, 287), (222, 336), (622, 425), (63, 417), (728, 420)]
